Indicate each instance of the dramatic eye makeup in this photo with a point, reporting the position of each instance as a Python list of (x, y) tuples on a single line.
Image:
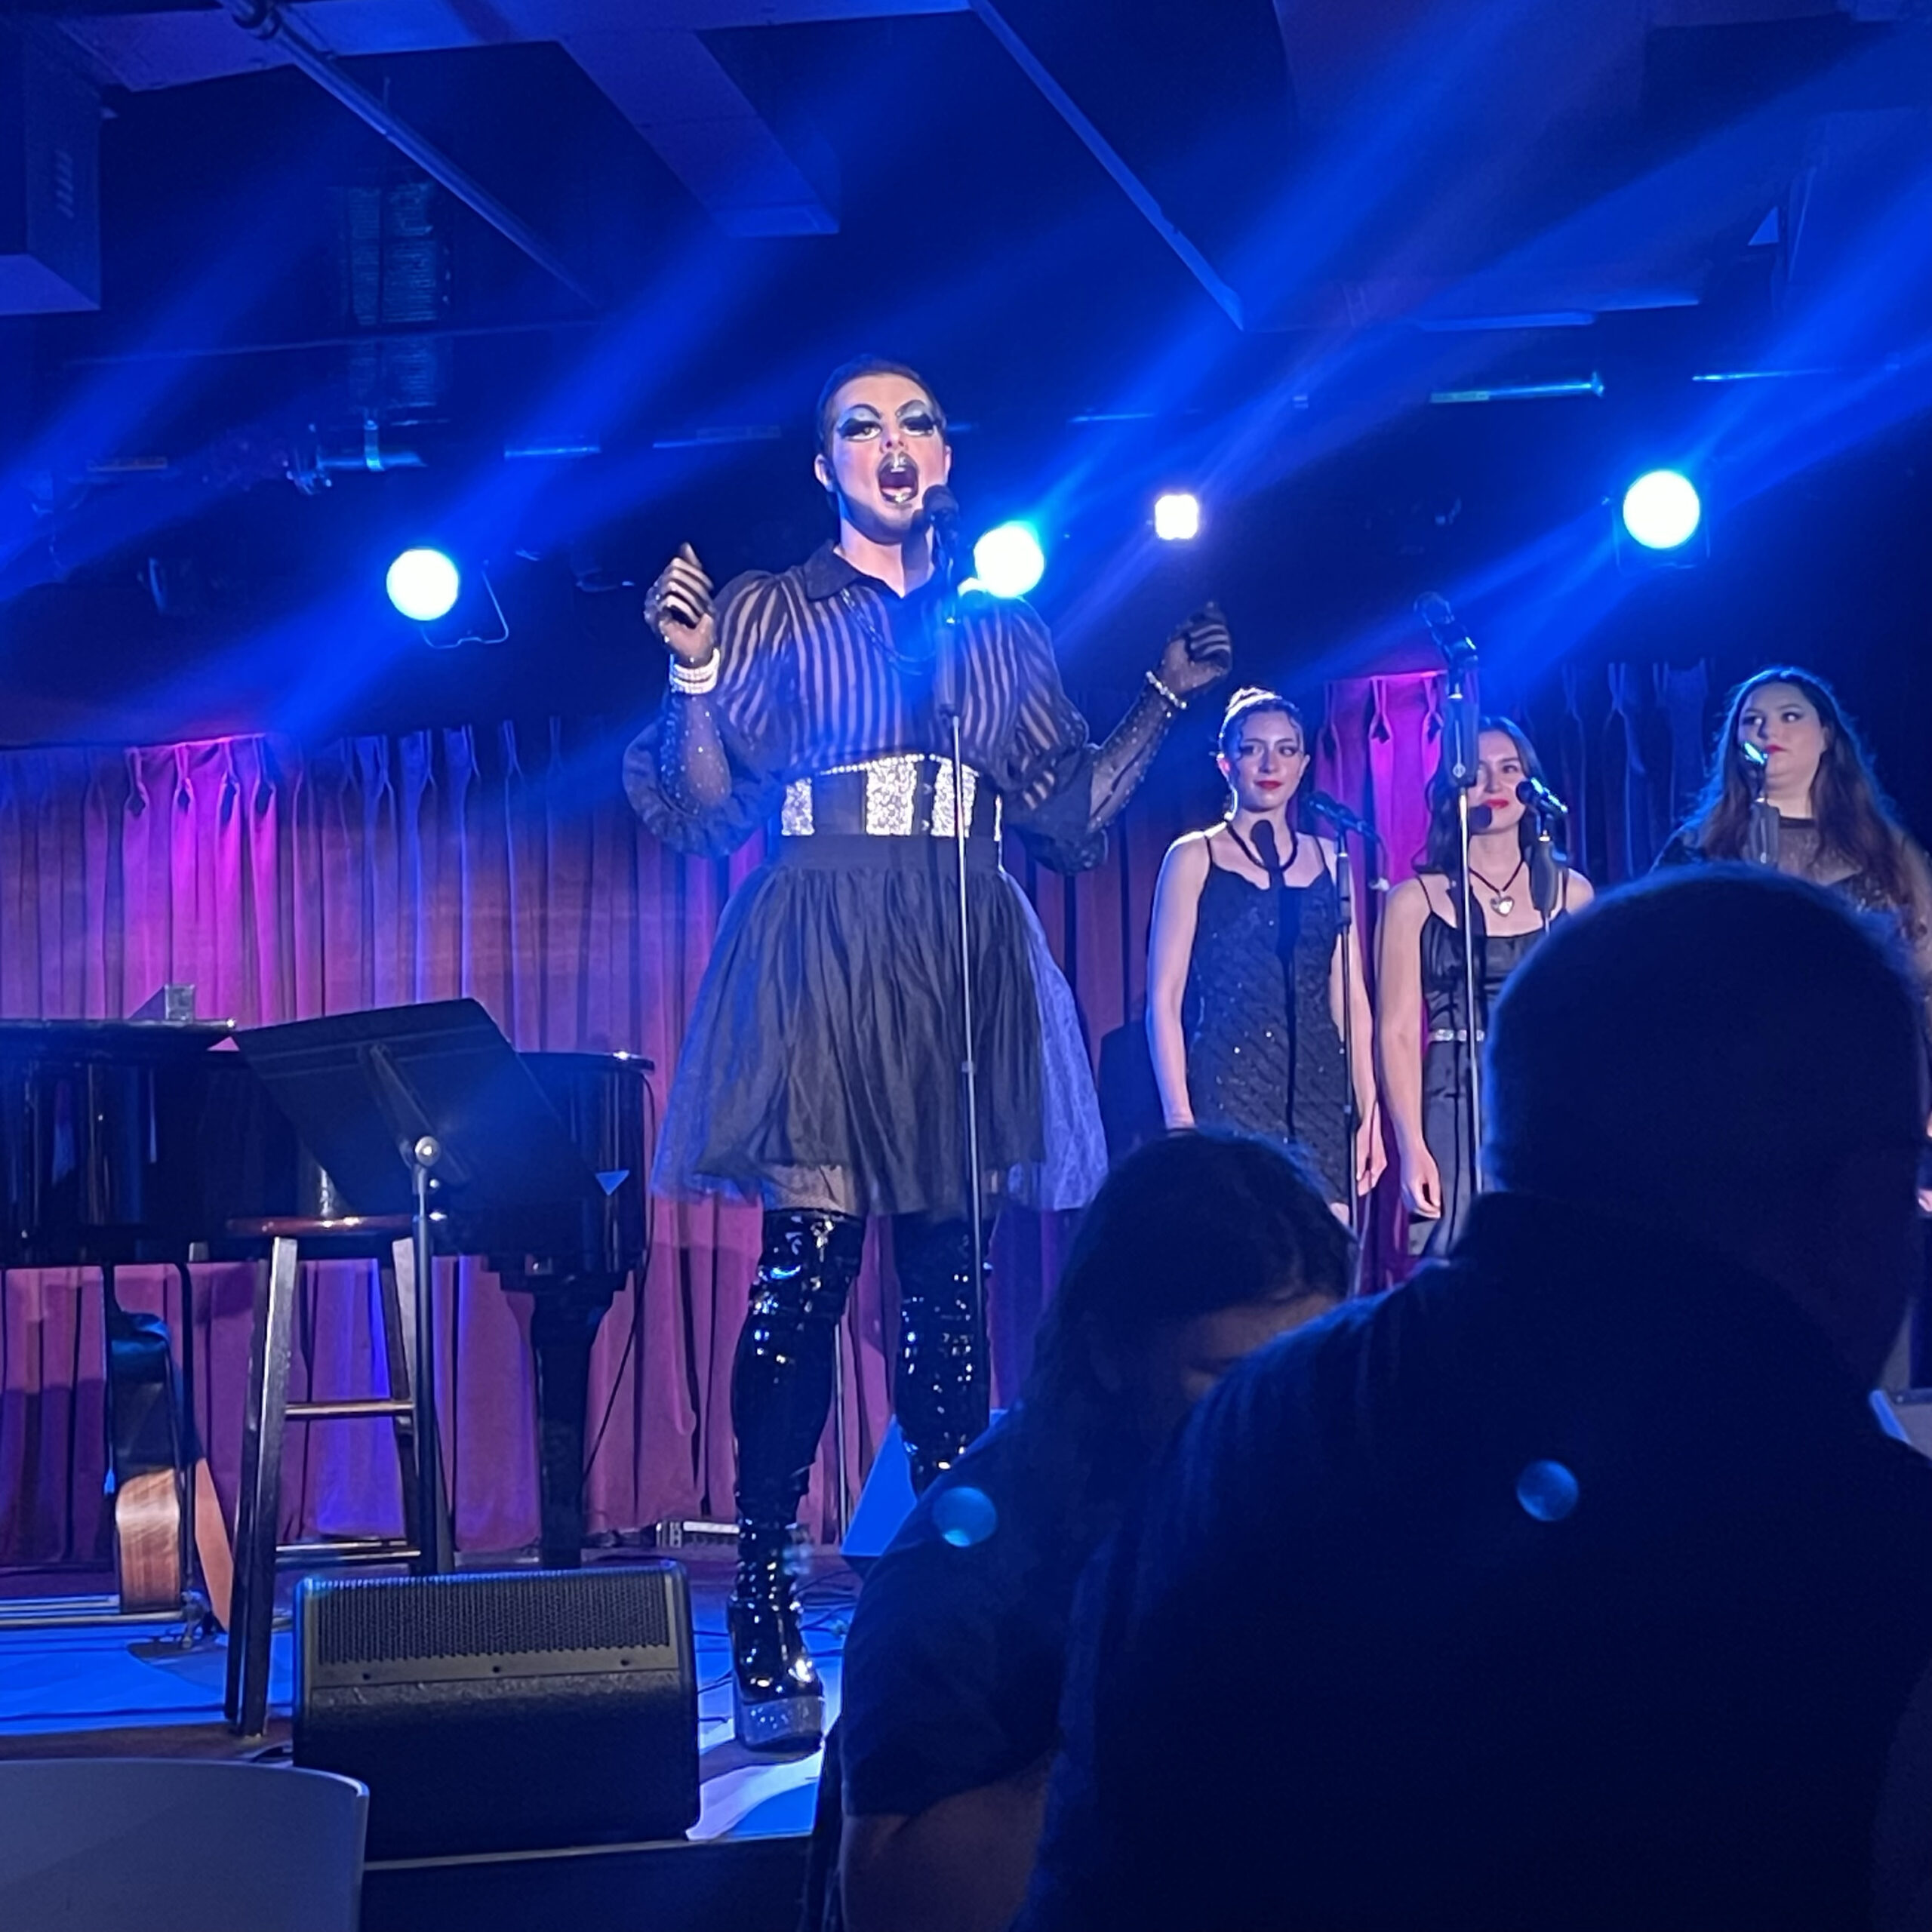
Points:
[(917, 420), (856, 424)]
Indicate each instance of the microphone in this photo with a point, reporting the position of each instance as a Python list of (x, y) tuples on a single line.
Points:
[(1451, 639), (1335, 813), (1534, 792), (1266, 850), (941, 509), (1753, 755), (1479, 818), (940, 512)]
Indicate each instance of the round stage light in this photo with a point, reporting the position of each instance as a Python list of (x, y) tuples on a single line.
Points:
[(1661, 509), (1177, 517), (423, 585), (1008, 561)]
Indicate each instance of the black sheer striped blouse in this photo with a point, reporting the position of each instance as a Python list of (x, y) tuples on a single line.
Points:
[(822, 665)]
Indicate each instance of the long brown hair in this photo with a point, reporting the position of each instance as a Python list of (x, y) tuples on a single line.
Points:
[(1854, 820)]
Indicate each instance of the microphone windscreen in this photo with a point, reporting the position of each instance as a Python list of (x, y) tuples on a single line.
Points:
[(1479, 818), (940, 505)]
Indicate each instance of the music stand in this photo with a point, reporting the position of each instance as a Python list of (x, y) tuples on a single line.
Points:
[(425, 1111)]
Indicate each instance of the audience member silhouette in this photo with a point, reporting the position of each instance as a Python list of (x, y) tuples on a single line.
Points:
[(1572, 1583), (1198, 1249)]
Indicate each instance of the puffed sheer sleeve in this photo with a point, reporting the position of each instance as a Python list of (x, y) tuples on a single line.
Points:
[(1048, 779), (1063, 790), (705, 773)]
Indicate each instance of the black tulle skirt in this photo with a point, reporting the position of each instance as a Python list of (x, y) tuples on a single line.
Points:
[(822, 1063)]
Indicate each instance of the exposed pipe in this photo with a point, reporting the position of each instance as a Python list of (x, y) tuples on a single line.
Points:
[(266, 19)]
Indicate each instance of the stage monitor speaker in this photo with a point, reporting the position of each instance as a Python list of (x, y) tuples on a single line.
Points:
[(503, 1711)]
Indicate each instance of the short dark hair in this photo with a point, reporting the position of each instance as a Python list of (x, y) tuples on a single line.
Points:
[(1182, 1227), (851, 372), (1627, 1062)]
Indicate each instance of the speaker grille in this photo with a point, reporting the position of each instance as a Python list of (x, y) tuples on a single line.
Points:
[(381, 1619)]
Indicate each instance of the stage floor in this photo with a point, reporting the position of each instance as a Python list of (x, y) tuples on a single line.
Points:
[(135, 1689)]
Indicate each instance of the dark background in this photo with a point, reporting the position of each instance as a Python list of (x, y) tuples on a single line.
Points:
[(1394, 199)]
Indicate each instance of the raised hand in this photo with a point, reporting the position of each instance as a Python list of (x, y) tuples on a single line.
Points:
[(1199, 652), (678, 607)]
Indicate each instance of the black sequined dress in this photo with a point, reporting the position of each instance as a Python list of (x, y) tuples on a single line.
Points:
[(1264, 1055)]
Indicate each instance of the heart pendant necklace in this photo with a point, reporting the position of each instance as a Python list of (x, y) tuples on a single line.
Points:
[(1500, 897)]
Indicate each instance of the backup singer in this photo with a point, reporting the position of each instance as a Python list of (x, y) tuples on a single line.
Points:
[(1832, 825), (1421, 989), (820, 1076), (1245, 978)]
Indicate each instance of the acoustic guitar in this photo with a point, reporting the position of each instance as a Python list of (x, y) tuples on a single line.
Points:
[(151, 1452)]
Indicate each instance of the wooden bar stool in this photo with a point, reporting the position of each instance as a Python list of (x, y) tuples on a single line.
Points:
[(292, 1240)]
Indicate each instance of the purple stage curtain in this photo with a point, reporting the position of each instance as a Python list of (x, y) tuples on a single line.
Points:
[(285, 881)]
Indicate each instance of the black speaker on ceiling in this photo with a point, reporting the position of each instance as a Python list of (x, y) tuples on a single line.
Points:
[(503, 1711)]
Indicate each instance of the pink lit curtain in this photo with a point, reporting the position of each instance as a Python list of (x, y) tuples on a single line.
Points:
[(283, 881)]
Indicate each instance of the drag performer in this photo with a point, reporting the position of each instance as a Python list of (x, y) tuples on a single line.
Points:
[(1421, 988), (820, 1075), (1786, 744), (1245, 978)]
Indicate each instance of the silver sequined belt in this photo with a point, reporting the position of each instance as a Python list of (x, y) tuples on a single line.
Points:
[(908, 795), (1456, 1034)]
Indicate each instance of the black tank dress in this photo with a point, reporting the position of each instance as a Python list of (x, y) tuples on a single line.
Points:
[(1445, 1106), (1264, 1055)]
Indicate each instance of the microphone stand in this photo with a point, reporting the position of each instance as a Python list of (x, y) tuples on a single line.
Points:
[(1761, 834), (1545, 875), (1345, 899), (1461, 728), (1345, 823), (948, 701)]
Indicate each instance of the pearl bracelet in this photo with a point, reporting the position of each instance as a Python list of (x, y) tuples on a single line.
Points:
[(695, 680), (1166, 697)]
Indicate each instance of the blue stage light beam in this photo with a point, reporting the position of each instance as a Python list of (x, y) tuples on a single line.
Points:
[(423, 585), (1177, 516), (1661, 509), (1008, 561)]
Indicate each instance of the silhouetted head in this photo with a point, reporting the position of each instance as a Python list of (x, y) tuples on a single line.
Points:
[(1198, 1248), (1735, 1056)]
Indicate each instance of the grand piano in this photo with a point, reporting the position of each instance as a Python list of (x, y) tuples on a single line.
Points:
[(125, 1141)]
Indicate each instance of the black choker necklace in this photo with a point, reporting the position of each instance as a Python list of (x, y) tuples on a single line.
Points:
[(1279, 871)]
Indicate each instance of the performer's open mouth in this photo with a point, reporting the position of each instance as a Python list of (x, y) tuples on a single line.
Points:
[(898, 479)]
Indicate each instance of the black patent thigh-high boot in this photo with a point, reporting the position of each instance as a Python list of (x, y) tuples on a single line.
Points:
[(940, 1395), (781, 1394)]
